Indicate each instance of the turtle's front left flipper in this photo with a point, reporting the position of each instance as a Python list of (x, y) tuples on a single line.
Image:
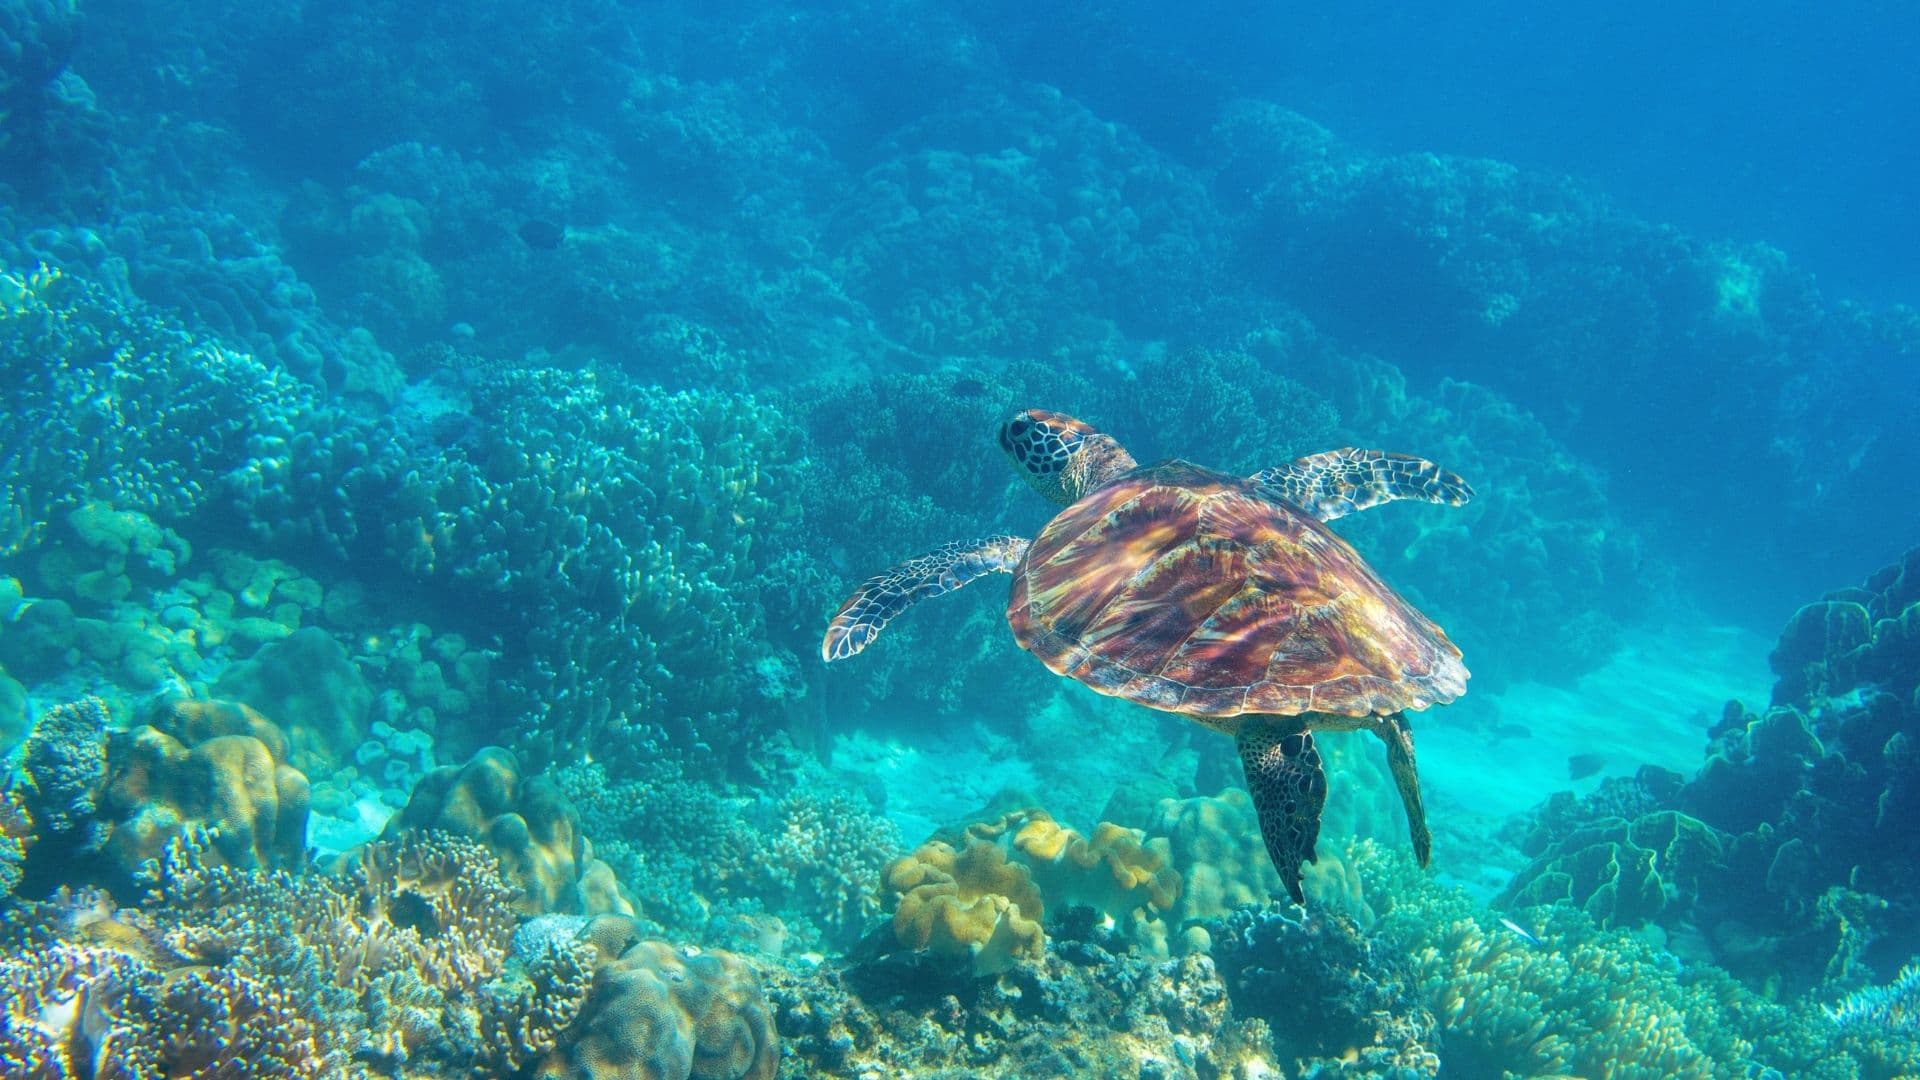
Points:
[(1338, 482), (879, 599), (1289, 791)]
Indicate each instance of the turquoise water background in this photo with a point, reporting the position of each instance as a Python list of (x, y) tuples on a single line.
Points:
[(387, 382)]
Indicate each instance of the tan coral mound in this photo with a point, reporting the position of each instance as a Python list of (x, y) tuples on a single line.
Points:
[(527, 823), (1214, 843), (228, 774), (970, 904), (660, 1012)]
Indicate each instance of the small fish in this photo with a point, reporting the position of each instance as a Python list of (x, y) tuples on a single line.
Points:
[(968, 387), (1581, 766), (1522, 931), (541, 235)]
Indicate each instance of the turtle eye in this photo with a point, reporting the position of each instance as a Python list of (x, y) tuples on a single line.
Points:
[(1017, 428)]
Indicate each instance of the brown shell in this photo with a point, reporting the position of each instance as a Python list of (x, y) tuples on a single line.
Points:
[(1188, 590)]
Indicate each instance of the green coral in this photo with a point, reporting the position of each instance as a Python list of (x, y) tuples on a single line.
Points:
[(1583, 999), (618, 536), (1625, 873)]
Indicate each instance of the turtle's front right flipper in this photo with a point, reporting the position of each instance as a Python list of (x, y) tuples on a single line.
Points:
[(1289, 791), (1338, 482), (874, 604)]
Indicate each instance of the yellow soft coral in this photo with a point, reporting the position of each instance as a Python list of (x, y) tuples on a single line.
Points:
[(969, 904), (1128, 882)]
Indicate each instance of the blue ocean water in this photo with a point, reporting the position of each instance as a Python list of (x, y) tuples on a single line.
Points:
[(437, 438)]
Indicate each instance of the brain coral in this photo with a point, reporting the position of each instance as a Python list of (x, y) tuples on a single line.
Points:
[(527, 822), (658, 1012)]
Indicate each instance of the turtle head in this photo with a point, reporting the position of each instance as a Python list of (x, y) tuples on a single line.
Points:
[(1061, 457)]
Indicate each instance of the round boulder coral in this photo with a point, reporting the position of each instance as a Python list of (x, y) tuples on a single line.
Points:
[(529, 825), (660, 1012)]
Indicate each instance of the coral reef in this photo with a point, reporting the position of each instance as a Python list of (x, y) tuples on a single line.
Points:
[(709, 865), (104, 801), (1161, 1019), (610, 530), (1784, 858), (412, 960), (167, 425), (657, 1012), (528, 825), (1535, 286)]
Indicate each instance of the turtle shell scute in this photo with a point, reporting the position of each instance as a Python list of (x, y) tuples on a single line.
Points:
[(1191, 591)]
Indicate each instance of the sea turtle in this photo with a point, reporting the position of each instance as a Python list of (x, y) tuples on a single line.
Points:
[(1222, 598)]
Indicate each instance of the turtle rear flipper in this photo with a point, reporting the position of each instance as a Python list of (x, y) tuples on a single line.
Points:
[(874, 604), (1289, 791), (1393, 731), (1338, 482)]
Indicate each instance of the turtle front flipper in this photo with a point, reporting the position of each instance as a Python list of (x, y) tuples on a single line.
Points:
[(1393, 731), (1338, 482), (1289, 790), (874, 604)]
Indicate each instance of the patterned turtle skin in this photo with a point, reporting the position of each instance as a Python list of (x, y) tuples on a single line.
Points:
[(1196, 592), (1222, 598)]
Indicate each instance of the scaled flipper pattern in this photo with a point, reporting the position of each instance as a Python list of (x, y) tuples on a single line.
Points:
[(1338, 482), (880, 598), (1289, 791)]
